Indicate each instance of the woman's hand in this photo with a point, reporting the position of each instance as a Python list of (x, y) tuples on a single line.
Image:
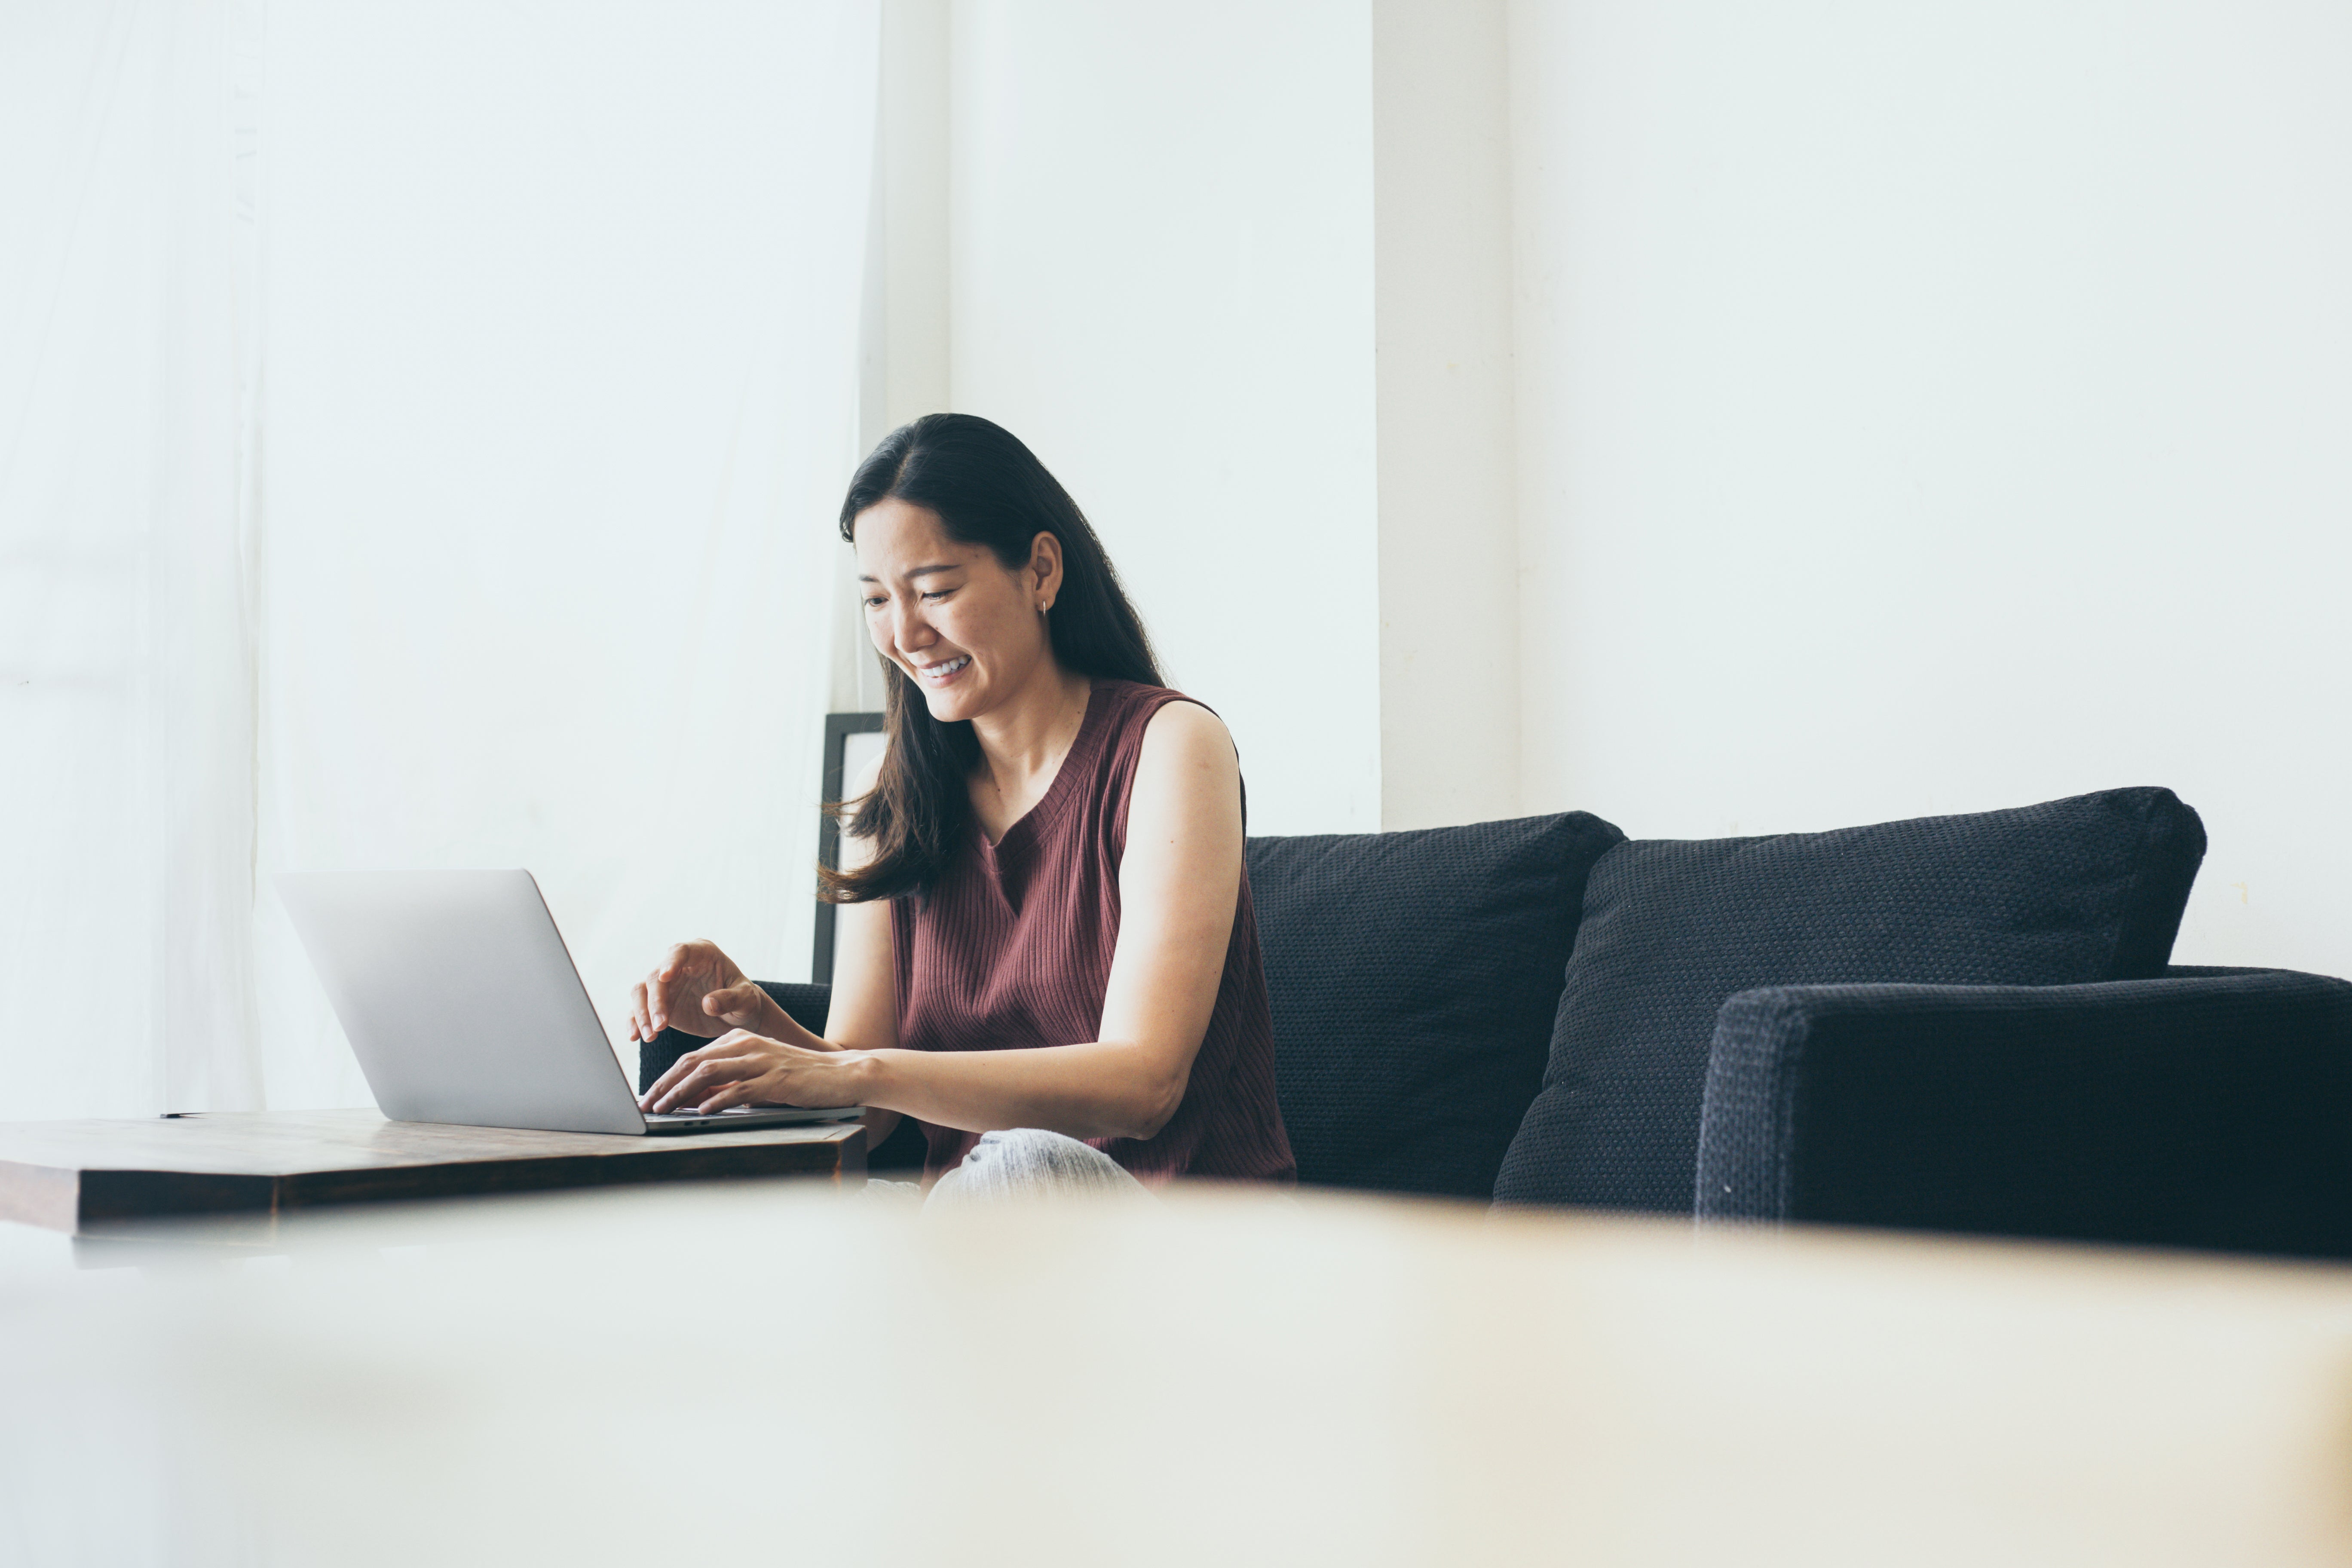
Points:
[(697, 988), (743, 1068)]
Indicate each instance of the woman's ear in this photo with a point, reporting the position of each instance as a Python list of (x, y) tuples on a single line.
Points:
[(1046, 568)]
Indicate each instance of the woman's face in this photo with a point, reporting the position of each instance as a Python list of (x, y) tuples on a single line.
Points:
[(966, 631)]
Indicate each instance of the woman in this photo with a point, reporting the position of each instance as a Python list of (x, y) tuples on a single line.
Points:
[(1046, 953)]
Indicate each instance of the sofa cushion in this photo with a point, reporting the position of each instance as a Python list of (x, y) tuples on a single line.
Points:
[(1414, 978), (2072, 890)]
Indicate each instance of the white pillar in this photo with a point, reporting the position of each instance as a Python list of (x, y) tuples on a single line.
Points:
[(1448, 533), (1241, 276)]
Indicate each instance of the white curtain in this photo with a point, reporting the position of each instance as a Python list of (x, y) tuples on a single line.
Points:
[(126, 641), (419, 425)]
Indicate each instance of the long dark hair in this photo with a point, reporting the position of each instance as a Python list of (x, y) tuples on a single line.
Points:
[(988, 489)]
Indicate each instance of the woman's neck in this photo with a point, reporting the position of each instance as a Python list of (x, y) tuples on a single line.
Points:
[(1023, 740)]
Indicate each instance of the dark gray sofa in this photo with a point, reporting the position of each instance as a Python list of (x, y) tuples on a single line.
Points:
[(1957, 1024)]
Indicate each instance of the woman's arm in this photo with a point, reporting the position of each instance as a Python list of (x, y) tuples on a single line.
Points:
[(1179, 883)]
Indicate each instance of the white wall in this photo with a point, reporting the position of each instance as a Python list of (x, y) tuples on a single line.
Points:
[(1937, 408), (1160, 223)]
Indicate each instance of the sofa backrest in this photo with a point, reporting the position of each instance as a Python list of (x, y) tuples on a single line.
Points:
[(1414, 978), (2087, 889)]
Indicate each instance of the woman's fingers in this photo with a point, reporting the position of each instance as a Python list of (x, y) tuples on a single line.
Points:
[(658, 986), (674, 1075), (692, 1077), (739, 1092), (713, 1093), (665, 1089), (738, 1002), (641, 1023), (741, 1067), (716, 1096), (680, 984)]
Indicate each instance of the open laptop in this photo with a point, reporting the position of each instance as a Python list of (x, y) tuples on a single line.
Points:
[(463, 1005)]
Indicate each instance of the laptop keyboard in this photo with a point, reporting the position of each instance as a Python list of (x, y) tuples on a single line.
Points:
[(740, 1112)]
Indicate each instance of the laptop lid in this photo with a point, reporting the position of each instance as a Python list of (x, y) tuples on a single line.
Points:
[(460, 999)]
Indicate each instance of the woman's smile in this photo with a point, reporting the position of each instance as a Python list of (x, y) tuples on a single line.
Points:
[(939, 672)]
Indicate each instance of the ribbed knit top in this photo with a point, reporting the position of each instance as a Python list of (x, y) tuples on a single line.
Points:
[(1012, 947)]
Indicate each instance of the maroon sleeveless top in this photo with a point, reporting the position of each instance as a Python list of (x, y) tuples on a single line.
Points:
[(1012, 947)]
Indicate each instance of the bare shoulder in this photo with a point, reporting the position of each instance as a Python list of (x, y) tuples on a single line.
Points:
[(1185, 737), (1187, 778)]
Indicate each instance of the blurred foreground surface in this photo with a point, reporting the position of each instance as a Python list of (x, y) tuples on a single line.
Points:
[(772, 1373)]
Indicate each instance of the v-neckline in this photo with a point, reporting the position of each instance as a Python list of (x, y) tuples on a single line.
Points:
[(1061, 785)]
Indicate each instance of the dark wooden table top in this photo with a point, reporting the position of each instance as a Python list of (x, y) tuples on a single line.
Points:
[(82, 1176)]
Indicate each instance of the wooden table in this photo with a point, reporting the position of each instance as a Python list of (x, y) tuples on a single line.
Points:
[(116, 1176), (775, 1372)]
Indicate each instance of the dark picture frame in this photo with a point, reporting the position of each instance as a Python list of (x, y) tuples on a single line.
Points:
[(838, 728)]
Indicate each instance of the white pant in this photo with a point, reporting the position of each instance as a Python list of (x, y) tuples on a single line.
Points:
[(1025, 1163)]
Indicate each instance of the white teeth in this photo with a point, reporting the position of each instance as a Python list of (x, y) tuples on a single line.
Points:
[(943, 670)]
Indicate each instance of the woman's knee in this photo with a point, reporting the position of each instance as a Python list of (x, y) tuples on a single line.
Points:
[(1029, 1161)]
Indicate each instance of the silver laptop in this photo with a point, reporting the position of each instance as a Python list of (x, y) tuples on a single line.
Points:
[(463, 1004)]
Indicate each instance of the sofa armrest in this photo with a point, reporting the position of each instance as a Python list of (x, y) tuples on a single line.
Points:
[(806, 1005), (2208, 1110)]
